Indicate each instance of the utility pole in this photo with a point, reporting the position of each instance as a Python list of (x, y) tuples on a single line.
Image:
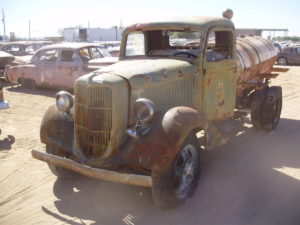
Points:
[(29, 30), (3, 20), (88, 24)]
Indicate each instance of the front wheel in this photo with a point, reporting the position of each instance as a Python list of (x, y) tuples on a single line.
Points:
[(172, 186)]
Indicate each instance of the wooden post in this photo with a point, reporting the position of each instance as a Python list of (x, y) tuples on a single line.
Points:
[(3, 104)]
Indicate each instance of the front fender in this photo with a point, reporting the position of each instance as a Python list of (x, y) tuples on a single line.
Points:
[(57, 129), (164, 140)]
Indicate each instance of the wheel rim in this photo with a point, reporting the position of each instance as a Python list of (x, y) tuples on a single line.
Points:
[(185, 170), (276, 111), (282, 61)]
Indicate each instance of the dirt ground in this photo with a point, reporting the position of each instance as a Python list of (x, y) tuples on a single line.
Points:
[(254, 179)]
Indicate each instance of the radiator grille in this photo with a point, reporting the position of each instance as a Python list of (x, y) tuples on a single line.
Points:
[(93, 118)]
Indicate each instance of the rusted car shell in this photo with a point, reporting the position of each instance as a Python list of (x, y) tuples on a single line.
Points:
[(5, 59), (256, 55), (56, 74)]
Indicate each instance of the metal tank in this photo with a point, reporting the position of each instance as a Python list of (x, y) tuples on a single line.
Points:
[(256, 55)]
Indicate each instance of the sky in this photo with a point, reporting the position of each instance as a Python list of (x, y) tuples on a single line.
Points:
[(48, 16)]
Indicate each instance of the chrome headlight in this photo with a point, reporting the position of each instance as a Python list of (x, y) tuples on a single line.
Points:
[(144, 110), (64, 101)]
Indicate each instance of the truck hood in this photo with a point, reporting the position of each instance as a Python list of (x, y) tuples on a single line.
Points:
[(142, 72)]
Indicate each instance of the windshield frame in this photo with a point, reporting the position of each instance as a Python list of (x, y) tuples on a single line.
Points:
[(124, 44)]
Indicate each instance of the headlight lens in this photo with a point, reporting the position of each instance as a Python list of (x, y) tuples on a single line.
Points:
[(144, 110), (64, 101)]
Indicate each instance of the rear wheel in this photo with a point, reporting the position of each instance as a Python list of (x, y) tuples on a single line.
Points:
[(58, 171), (272, 108), (282, 61), (28, 84), (172, 186), (256, 108), (266, 108)]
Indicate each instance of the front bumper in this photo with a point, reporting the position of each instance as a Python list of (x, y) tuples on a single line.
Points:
[(101, 174)]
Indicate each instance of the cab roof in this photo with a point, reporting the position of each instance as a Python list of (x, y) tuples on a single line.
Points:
[(195, 22), (69, 46)]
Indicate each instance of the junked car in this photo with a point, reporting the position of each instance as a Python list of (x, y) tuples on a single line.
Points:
[(289, 55), (58, 66), (21, 48), (5, 58)]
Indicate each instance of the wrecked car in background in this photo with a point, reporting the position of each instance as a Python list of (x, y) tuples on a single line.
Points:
[(289, 55), (58, 66), (5, 59), (143, 120), (22, 48)]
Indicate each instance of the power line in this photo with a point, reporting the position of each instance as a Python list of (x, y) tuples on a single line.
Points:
[(3, 20)]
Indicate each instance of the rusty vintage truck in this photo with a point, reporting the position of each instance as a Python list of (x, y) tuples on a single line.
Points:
[(179, 87)]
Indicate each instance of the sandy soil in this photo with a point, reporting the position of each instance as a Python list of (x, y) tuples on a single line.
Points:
[(254, 179)]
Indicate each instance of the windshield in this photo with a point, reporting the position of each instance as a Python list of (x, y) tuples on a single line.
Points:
[(165, 43), (104, 52)]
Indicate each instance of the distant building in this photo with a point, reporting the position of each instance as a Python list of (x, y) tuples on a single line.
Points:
[(92, 34), (258, 32), (55, 38)]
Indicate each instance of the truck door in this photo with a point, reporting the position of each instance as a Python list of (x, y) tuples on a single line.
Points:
[(220, 75)]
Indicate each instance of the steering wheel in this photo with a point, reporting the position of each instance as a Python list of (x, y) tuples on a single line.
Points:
[(189, 55)]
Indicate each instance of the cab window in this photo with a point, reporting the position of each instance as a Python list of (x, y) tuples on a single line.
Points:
[(219, 46), (67, 56), (49, 56), (135, 44), (95, 53)]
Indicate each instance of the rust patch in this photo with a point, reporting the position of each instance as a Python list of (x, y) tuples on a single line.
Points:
[(209, 82)]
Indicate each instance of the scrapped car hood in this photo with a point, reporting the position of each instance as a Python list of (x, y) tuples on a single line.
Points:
[(141, 72), (103, 61), (23, 59), (5, 58)]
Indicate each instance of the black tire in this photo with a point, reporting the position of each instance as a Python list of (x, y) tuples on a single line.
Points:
[(169, 189), (272, 108), (58, 171), (28, 84), (256, 108), (282, 61)]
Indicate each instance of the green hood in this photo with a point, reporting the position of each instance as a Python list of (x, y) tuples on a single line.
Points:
[(143, 72)]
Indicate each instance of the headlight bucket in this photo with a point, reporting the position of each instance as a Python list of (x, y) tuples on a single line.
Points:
[(144, 110), (64, 101)]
